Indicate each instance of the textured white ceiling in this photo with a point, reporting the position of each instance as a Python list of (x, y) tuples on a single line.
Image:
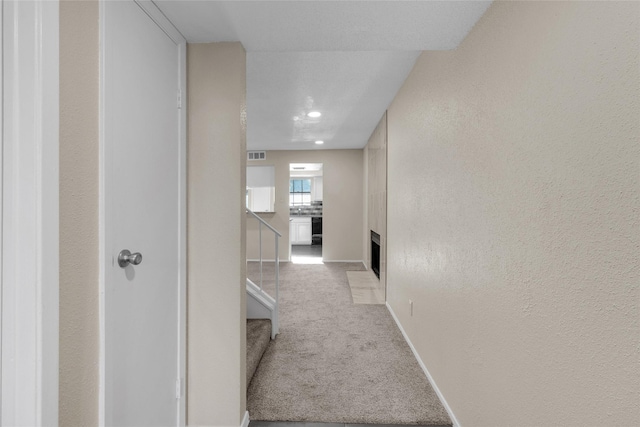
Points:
[(303, 26), (350, 89), (346, 59)]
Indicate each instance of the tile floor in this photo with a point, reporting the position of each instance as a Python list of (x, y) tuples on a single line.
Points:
[(307, 250), (365, 287)]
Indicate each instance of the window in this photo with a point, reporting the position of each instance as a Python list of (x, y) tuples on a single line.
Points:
[(300, 192)]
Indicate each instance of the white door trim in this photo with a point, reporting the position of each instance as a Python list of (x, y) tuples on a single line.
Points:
[(30, 146), (182, 237), (161, 20)]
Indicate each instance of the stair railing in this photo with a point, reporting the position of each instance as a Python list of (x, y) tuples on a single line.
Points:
[(261, 222)]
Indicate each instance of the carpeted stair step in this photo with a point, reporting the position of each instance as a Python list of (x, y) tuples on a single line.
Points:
[(258, 338)]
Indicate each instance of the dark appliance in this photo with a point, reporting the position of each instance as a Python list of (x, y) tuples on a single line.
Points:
[(375, 253), (316, 230)]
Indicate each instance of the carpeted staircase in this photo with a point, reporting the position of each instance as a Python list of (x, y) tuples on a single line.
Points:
[(258, 338)]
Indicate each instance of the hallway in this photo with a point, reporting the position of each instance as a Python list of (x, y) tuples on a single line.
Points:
[(335, 361), (511, 202)]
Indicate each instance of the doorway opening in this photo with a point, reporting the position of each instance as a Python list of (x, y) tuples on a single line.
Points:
[(305, 212)]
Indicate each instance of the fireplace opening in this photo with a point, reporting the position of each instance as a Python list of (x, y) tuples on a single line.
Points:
[(375, 253)]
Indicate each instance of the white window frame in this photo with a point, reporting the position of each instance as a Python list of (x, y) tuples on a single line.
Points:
[(292, 194)]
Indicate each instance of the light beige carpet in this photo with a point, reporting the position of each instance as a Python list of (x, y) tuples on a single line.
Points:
[(335, 361), (258, 339), (365, 287)]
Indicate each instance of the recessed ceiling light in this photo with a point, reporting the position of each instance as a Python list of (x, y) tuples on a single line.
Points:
[(314, 114), (319, 142)]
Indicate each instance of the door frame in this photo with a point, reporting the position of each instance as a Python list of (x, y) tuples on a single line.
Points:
[(163, 22), (29, 280), (312, 176)]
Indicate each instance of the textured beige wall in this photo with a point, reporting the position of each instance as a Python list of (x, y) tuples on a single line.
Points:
[(216, 240), (375, 154), (518, 239), (79, 333), (342, 204)]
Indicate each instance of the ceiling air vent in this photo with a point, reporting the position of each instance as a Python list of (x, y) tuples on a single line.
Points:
[(256, 155)]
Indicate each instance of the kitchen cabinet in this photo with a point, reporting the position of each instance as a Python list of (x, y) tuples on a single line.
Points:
[(300, 230)]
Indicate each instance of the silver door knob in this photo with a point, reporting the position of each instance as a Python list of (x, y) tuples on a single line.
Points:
[(125, 257)]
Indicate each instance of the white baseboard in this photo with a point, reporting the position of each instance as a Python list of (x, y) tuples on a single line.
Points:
[(324, 260), (245, 420), (342, 260), (454, 420)]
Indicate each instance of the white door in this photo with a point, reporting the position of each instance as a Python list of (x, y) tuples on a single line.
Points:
[(142, 214)]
